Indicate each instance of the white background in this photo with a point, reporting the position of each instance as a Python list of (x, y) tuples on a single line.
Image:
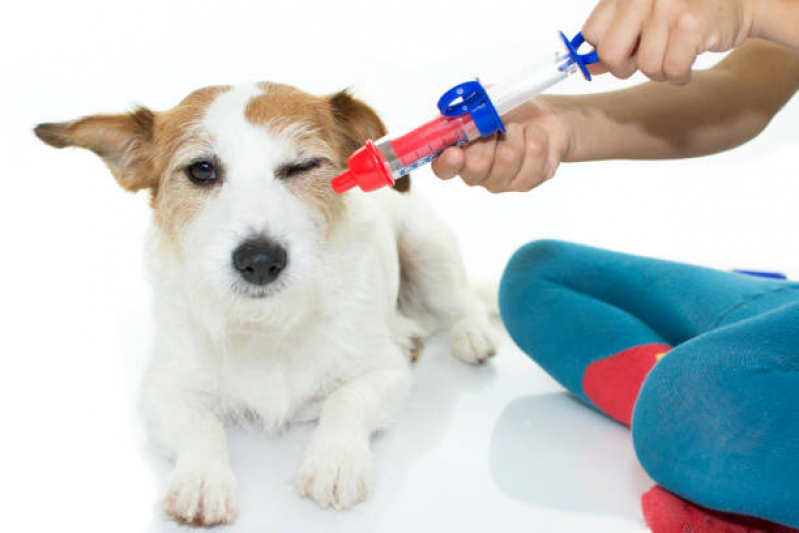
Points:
[(496, 448)]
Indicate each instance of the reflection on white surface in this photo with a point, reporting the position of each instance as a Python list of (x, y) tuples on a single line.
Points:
[(492, 448), (551, 450)]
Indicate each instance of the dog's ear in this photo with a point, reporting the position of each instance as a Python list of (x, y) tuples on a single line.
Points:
[(355, 121), (124, 142)]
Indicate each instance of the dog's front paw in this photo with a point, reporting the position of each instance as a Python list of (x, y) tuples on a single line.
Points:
[(201, 496), (474, 340), (337, 473)]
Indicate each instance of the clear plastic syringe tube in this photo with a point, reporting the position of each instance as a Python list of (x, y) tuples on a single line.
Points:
[(510, 95), (468, 112)]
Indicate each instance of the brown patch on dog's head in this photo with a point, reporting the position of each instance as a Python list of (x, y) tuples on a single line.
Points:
[(336, 125), (177, 201), (307, 120), (403, 184), (280, 106)]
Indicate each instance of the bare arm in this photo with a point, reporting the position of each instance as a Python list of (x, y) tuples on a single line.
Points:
[(721, 108), (778, 21)]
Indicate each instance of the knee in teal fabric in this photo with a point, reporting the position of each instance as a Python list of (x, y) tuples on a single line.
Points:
[(567, 305), (526, 294), (563, 329), (717, 420)]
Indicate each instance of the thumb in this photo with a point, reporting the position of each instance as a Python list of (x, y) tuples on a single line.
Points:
[(449, 164), (597, 68)]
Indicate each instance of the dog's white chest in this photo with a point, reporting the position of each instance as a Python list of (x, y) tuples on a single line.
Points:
[(271, 382)]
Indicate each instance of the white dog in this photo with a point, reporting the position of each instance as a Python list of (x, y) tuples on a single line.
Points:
[(276, 299)]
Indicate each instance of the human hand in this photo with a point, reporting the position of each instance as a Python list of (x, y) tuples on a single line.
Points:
[(536, 140), (662, 38)]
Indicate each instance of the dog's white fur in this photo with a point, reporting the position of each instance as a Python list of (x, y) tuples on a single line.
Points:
[(329, 339)]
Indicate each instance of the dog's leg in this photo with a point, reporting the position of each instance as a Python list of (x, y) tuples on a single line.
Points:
[(338, 469), (434, 282), (201, 489)]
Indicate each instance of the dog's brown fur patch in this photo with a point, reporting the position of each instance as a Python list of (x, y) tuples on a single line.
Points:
[(403, 184), (281, 107), (175, 199)]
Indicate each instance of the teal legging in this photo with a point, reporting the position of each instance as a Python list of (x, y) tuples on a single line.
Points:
[(717, 419)]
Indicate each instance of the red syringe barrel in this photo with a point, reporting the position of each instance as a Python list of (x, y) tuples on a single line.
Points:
[(426, 142), (381, 163)]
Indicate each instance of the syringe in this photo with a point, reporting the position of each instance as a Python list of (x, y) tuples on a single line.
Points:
[(468, 112)]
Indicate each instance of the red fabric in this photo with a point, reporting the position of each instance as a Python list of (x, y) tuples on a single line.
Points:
[(667, 513), (613, 383)]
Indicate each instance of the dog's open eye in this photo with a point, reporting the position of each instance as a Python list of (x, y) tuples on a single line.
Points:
[(201, 173), (295, 169)]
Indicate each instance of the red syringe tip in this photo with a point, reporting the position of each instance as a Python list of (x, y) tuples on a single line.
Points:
[(344, 182), (367, 170)]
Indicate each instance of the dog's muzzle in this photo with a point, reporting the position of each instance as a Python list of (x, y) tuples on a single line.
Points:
[(259, 261)]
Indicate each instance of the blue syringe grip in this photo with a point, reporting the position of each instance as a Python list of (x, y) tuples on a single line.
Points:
[(581, 60), (471, 97)]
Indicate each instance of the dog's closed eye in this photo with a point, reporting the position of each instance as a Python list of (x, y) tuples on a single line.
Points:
[(301, 167)]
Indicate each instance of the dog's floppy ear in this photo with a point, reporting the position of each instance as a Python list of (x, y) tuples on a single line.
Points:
[(124, 142), (356, 122)]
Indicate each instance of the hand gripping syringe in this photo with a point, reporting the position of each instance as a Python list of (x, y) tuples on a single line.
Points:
[(468, 112)]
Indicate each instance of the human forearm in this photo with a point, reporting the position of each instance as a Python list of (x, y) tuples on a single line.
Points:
[(658, 121), (776, 20), (722, 108)]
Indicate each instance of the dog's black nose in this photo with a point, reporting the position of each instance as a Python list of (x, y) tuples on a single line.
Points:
[(259, 261)]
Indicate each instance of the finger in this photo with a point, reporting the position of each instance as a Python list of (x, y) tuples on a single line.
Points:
[(449, 163), (617, 47), (682, 50), (652, 50), (597, 68), (508, 159), (536, 160), (478, 160), (597, 23)]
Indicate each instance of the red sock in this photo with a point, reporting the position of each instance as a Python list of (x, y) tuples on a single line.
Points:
[(666, 513), (613, 383)]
